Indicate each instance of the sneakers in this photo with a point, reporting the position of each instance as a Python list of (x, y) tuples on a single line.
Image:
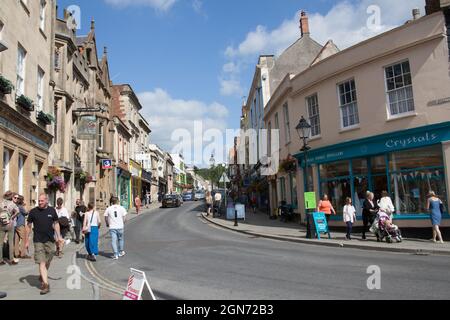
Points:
[(45, 289), (115, 257), (122, 254)]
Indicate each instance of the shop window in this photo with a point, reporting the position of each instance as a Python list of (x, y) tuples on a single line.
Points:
[(348, 104), (399, 88), (335, 169), (360, 167), (414, 173), (293, 185), (337, 190), (378, 165), (313, 113)]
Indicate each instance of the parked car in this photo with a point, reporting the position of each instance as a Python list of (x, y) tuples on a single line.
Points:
[(172, 200), (200, 195), (188, 196)]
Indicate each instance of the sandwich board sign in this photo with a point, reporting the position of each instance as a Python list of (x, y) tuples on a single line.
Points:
[(138, 287), (320, 222)]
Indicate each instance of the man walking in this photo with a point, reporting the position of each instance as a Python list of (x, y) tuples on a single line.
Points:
[(115, 220), (79, 212), (8, 213), (20, 232), (46, 230)]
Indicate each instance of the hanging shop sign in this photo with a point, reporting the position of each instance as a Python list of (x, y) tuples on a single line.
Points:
[(87, 128), (107, 164)]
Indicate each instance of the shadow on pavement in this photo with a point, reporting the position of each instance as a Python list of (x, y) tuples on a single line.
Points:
[(33, 281)]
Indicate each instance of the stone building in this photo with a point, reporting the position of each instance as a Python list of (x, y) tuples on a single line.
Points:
[(26, 95)]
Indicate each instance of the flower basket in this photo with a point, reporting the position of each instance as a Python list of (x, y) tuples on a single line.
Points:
[(6, 86), (288, 165), (83, 176), (56, 184), (45, 118), (25, 102)]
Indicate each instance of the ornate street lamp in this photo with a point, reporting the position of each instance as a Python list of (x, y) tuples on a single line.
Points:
[(212, 163), (304, 130)]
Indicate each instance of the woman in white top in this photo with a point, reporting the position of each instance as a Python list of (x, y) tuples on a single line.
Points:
[(386, 204), (64, 224), (91, 225), (349, 217)]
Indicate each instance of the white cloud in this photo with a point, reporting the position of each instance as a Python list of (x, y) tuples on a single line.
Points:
[(198, 7), (231, 67), (166, 114), (230, 87), (161, 5), (345, 24)]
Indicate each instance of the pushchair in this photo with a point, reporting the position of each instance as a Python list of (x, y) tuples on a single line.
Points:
[(383, 228)]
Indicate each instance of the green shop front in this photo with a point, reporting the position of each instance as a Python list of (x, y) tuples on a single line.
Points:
[(123, 186), (407, 164)]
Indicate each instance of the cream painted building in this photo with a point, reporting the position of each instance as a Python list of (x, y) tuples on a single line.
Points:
[(26, 36), (380, 116)]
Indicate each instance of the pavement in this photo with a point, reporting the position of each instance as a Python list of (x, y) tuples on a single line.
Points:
[(259, 225), (21, 282)]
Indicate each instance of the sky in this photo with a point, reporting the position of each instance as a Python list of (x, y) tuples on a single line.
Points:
[(192, 61)]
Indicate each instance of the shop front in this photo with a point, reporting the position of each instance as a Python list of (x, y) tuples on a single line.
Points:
[(123, 186), (136, 181), (407, 164), (146, 177)]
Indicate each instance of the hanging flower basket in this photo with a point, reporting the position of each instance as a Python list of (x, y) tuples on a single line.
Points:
[(45, 118), (288, 165), (25, 102), (55, 180), (6, 86), (83, 176)]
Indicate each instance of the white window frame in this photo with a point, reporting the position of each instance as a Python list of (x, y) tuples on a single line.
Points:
[(20, 70), (21, 169), (287, 124), (42, 8), (100, 136), (341, 106), (6, 163), (388, 102), (308, 112), (40, 90)]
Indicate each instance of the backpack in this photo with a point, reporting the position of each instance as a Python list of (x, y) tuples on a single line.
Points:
[(5, 217)]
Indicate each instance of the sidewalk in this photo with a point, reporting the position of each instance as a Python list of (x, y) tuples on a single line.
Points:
[(260, 225), (21, 282)]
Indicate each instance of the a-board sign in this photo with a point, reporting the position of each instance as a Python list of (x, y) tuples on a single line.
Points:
[(138, 287), (320, 222), (310, 200)]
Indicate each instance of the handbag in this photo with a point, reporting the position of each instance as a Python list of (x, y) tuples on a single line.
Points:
[(442, 208), (88, 229)]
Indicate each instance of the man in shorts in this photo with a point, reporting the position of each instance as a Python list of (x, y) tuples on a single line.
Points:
[(46, 231)]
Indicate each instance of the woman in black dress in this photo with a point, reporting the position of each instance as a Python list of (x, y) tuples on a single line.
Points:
[(370, 209)]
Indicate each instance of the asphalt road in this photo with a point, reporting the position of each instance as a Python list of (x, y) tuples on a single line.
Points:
[(185, 258)]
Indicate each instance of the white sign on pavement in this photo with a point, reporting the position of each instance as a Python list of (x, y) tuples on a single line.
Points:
[(138, 287)]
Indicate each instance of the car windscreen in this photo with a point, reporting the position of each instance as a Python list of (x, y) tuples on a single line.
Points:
[(170, 197)]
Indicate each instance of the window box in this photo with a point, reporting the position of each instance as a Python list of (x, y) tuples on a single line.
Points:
[(6, 86), (25, 102), (45, 118)]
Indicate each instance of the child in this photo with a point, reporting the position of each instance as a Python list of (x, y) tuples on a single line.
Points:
[(349, 217)]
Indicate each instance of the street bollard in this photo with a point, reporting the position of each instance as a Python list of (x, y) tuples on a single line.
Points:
[(236, 218)]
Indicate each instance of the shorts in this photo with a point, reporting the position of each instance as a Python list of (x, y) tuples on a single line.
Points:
[(44, 252), (208, 205)]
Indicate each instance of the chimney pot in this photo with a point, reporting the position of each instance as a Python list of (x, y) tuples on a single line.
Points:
[(92, 24), (416, 13), (304, 23)]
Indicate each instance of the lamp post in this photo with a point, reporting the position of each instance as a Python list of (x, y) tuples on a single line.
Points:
[(304, 130)]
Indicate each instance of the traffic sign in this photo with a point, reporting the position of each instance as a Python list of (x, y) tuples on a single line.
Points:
[(107, 164), (224, 178)]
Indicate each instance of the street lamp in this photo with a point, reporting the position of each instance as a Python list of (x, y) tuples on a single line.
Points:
[(212, 163), (304, 130)]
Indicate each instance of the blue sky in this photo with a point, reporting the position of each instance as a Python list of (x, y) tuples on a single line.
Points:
[(194, 59)]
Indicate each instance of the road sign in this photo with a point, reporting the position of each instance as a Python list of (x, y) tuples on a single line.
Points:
[(310, 200), (107, 164), (138, 287), (224, 179)]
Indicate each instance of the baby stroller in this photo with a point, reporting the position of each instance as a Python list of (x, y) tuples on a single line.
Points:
[(383, 228)]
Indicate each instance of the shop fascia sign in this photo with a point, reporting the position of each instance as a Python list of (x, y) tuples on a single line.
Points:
[(385, 144)]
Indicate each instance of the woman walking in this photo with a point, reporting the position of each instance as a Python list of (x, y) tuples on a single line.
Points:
[(436, 208), (369, 214), (209, 203), (326, 207), (64, 225), (349, 217), (91, 225)]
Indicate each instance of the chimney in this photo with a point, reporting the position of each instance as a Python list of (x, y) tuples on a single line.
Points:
[(304, 24), (432, 6), (416, 13), (65, 14), (92, 24)]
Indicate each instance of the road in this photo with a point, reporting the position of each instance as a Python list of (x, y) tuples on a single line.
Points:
[(185, 258)]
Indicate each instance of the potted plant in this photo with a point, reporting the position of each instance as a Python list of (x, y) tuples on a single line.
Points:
[(55, 180), (6, 86), (25, 102), (45, 118)]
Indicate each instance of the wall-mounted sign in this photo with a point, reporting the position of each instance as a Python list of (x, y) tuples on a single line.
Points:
[(107, 164), (438, 102), (87, 128), (143, 157)]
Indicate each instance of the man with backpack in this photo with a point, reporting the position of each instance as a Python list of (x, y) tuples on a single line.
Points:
[(8, 213)]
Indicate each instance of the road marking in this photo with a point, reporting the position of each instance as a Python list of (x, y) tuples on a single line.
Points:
[(115, 287)]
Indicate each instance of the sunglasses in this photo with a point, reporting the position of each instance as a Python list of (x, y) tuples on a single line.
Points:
[(15, 197)]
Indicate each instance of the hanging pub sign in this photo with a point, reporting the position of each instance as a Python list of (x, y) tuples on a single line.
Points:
[(87, 128)]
